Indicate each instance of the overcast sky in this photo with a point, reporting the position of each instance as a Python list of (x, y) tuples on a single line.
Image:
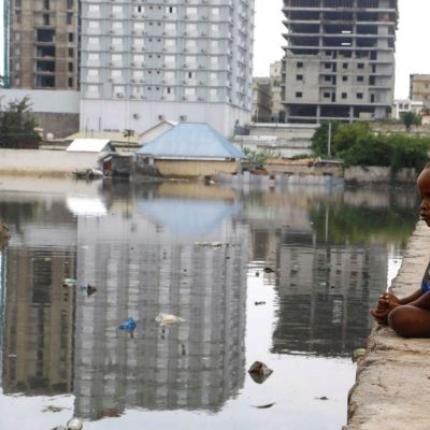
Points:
[(413, 39)]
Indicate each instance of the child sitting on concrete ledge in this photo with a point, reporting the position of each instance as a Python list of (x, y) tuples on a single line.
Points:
[(410, 316)]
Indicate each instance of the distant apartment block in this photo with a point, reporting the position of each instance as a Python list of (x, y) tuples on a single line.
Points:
[(339, 61), (176, 59), (261, 100), (278, 114), (419, 88), (42, 44)]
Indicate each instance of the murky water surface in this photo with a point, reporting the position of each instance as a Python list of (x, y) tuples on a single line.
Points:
[(285, 277)]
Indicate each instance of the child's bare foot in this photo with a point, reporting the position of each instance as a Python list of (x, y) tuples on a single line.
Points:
[(381, 317)]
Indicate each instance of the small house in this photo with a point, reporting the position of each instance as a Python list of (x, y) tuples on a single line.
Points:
[(189, 150), (156, 131)]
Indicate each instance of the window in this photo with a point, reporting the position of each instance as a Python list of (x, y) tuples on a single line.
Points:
[(71, 52), (344, 95), (360, 66), (359, 96), (299, 65), (71, 37), (326, 95), (345, 65), (299, 77), (69, 4), (45, 19), (344, 78), (360, 78), (69, 18), (299, 94), (327, 65), (46, 4), (70, 67), (70, 82), (327, 78)]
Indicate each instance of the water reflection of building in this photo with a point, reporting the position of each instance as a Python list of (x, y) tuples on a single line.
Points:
[(141, 266), (38, 322), (325, 294), (38, 311)]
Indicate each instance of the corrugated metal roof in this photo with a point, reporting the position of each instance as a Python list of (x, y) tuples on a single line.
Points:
[(88, 145), (191, 140), (113, 136)]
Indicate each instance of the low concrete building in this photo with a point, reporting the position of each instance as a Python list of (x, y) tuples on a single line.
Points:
[(419, 88), (155, 131), (189, 150), (402, 106)]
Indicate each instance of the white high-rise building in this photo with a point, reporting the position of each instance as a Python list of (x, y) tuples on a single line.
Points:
[(142, 61)]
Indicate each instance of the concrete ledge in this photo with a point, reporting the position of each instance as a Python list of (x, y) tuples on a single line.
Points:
[(393, 379)]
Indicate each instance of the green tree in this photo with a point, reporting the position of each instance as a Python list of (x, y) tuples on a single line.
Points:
[(409, 119), (17, 125), (321, 137)]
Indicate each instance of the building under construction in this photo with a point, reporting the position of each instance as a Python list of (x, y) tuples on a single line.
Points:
[(339, 62), (41, 44)]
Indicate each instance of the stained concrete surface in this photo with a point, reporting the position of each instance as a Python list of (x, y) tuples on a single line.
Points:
[(393, 379)]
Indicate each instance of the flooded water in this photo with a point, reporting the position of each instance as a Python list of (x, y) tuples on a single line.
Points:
[(285, 277)]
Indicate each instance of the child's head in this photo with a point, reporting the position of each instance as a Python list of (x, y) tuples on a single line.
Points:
[(423, 183)]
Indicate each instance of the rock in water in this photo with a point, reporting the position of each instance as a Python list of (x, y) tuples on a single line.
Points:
[(259, 372)]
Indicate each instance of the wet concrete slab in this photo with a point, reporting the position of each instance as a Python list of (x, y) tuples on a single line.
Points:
[(393, 379)]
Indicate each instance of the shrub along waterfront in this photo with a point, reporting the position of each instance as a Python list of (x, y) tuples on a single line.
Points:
[(17, 126), (358, 145)]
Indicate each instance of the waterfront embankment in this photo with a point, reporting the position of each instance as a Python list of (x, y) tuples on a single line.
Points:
[(393, 378)]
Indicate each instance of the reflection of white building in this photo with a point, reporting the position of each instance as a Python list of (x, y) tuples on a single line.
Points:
[(142, 267)]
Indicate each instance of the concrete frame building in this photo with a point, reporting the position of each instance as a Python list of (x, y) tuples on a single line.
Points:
[(261, 100), (419, 88), (176, 59), (42, 44), (339, 61)]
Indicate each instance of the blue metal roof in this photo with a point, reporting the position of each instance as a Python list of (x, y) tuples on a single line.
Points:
[(189, 218), (191, 140)]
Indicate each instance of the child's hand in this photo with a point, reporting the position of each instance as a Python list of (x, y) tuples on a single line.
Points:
[(389, 300)]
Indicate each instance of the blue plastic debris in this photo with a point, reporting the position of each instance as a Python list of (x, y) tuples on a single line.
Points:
[(128, 326)]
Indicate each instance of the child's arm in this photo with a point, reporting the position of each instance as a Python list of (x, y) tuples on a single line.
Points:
[(423, 301), (411, 298)]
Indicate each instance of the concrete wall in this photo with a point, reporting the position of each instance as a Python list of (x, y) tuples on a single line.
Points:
[(27, 161), (99, 115), (378, 175), (187, 168), (52, 101), (59, 125)]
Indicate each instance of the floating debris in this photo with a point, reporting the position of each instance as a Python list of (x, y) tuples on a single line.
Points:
[(259, 372), (321, 398), (268, 270), (209, 244), (267, 406), (70, 282), (74, 424), (52, 408), (259, 303), (90, 290), (129, 326), (358, 353), (168, 319)]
